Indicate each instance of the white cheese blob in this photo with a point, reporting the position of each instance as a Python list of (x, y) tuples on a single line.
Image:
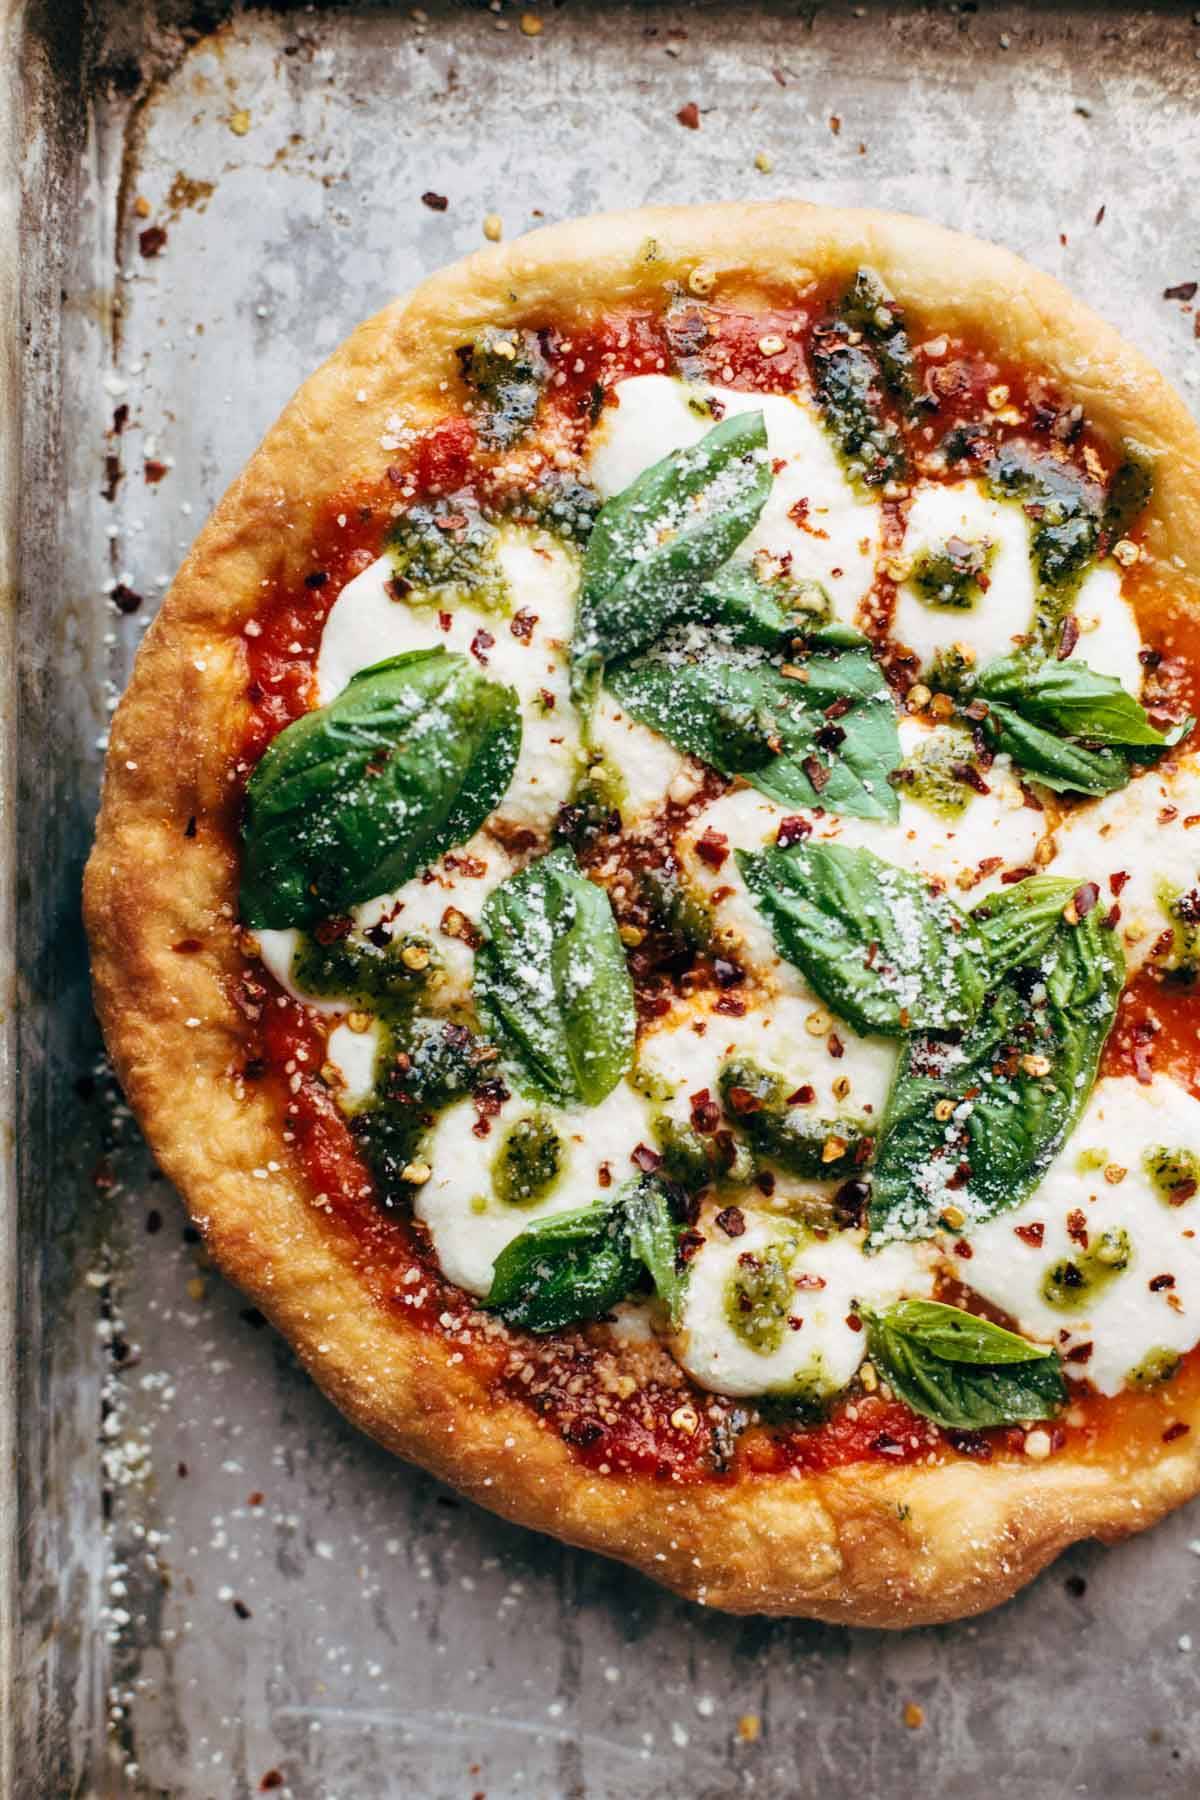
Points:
[(354, 1055), (777, 1275), (1102, 1189), (1109, 640), (962, 510), (647, 767), (1141, 846), (430, 907), (366, 624), (469, 1224), (815, 523)]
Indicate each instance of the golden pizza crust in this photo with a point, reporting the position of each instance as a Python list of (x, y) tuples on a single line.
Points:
[(862, 1545)]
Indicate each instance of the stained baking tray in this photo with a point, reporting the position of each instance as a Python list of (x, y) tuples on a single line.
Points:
[(210, 1586)]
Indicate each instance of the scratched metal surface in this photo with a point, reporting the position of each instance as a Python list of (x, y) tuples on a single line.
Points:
[(397, 1642)]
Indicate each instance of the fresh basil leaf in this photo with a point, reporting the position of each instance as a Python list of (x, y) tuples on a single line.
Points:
[(958, 1336), (849, 387), (564, 1269), (551, 983), (756, 1101), (654, 1233), (1072, 699), (747, 610), (1017, 923), (964, 1377), (578, 1265), (354, 798), (1054, 761), (743, 716), (975, 1122), (654, 544), (883, 951)]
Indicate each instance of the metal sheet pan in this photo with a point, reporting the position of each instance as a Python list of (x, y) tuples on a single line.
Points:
[(217, 1579)]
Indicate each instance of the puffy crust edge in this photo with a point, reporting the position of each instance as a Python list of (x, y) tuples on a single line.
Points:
[(864, 1545)]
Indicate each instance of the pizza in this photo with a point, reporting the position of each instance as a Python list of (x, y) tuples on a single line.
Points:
[(648, 897)]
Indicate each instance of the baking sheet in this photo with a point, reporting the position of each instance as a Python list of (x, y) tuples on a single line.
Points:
[(223, 1589)]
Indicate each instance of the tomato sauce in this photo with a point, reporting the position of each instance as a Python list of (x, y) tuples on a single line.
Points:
[(667, 1429)]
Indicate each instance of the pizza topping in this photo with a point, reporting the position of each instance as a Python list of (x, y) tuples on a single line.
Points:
[(774, 1002)]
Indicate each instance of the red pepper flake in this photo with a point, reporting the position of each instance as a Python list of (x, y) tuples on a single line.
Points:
[(522, 625), (706, 1114), (792, 830), (835, 124), (1175, 1430), (445, 621), (689, 116), (835, 1046), (798, 513), (1159, 1282), (272, 1779), (1082, 1353), (1183, 1190), (764, 1181), (125, 599), (1068, 637), (853, 1322), (1077, 1229), (803, 1096), (1032, 1234), (963, 1249), (1166, 814), (1183, 290), (731, 1005), (546, 698), (646, 1159), (1099, 219), (332, 931), (241, 1609), (1084, 898), (483, 640), (732, 1221), (713, 848), (811, 1284), (728, 974), (689, 1244), (604, 1175), (153, 471), (1013, 875), (817, 772), (152, 240), (743, 1101), (1117, 881), (435, 202)]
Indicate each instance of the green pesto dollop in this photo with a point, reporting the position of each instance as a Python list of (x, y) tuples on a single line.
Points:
[(508, 371), (445, 554), (1182, 909), (758, 1298), (390, 981), (1077, 1282), (756, 1101), (1155, 1367), (1175, 1173), (951, 578), (528, 1161), (694, 1159), (929, 777)]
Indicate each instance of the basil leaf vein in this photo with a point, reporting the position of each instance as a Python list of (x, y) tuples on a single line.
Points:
[(354, 798), (975, 1122), (743, 716), (961, 1371), (659, 540), (551, 983), (883, 952)]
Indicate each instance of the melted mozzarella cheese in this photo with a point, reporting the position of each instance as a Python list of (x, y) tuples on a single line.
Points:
[(818, 1352), (1126, 1318), (354, 1055), (366, 624), (963, 510), (1109, 640), (814, 520), (646, 765), (424, 907), (469, 1224), (1141, 834), (685, 1055)]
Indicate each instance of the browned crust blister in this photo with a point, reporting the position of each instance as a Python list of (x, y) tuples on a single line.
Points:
[(863, 1545)]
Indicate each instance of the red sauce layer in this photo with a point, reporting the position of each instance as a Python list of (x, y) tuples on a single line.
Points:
[(574, 1383)]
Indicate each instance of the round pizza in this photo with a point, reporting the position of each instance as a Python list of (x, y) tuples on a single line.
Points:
[(648, 897)]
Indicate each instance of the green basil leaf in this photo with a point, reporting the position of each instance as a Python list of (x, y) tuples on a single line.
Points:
[(958, 1336), (654, 1233), (747, 610), (578, 1265), (551, 983), (564, 1269), (1017, 923), (975, 1122), (963, 1391), (354, 798), (742, 716), (1053, 760), (1070, 698), (662, 538), (883, 952)]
